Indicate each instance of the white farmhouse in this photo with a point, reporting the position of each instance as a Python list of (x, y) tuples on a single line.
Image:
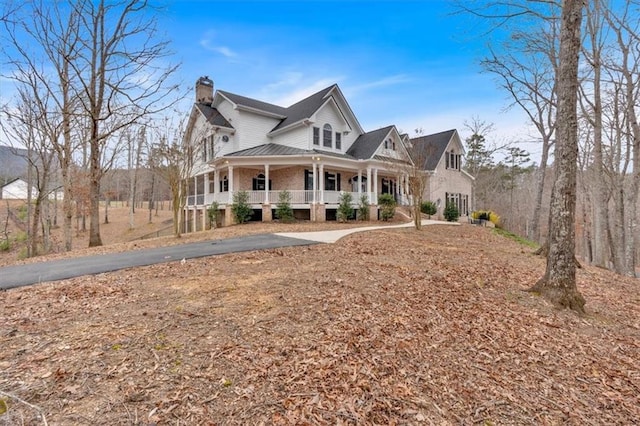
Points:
[(315, 149)]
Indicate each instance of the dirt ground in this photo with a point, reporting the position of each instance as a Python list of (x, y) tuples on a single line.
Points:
[(389, 327)]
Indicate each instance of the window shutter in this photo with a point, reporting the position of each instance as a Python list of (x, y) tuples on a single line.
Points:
[(308, 179)]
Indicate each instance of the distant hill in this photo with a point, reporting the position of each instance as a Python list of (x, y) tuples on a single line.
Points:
[(13, 163)]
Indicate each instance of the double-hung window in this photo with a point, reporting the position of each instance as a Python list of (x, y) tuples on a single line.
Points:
[(316, 136), (338, 140)]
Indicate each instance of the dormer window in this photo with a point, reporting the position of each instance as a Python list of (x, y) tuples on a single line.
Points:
[(327, 134), (338, 140), (316, 136)]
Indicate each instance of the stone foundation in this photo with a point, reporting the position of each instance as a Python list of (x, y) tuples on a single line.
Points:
[(373, 212), (318, 213), (228, 216), (267, 213)]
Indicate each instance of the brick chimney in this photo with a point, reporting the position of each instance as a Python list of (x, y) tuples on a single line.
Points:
[(204, 90)]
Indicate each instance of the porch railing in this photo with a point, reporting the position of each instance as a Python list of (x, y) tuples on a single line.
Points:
[(297, 197)]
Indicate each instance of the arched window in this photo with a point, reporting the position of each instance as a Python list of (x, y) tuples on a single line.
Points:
[(259, 182), (327, 134), (363, 183)]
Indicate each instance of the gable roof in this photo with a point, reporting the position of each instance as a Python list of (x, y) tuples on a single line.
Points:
[(366, 145), (213, 116), (254, 104), (295, 113), (12, 181), (304, 108), (432, 147)]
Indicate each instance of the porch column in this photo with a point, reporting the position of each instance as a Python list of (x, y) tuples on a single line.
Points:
[(405, 185), (206, 185), (230, 184), (359, 184), (216, 183), (399, 188), (266, 184), (369, 194), (321, 183), (194, 221), (195, 190), (314, 186), (375, 185)]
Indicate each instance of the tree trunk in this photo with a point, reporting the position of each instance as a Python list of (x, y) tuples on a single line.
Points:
[(600, 204), (559, 281), (106, 209), (94, 189), (534, 232), (67, 207)]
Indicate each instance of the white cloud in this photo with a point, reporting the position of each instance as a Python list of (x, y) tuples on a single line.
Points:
[(293, 87), (383, 82), (207, 42), (225, 51)]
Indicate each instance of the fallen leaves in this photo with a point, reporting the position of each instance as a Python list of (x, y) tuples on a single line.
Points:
[(386, 327)]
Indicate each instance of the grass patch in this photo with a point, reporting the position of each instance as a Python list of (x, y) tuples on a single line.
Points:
[(514, 237)]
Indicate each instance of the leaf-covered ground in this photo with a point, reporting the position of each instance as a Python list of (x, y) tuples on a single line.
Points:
[(388, 327)]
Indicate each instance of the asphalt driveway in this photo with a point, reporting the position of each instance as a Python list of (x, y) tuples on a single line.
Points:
[(22, 275)]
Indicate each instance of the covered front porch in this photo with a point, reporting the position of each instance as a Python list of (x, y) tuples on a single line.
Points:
[(315, 188)]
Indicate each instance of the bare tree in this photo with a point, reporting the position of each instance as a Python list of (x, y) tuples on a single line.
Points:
[(135, 144), (530, 81), (44, 37), (627, 35), (174, 156), (591, 104), (121, 79), (413, 167), (559, 281), (31, 124)]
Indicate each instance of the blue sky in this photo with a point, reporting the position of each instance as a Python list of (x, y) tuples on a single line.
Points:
[(409, 63)]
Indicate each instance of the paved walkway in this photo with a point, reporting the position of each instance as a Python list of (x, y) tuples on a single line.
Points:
[(22, 275), (331, 237)]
